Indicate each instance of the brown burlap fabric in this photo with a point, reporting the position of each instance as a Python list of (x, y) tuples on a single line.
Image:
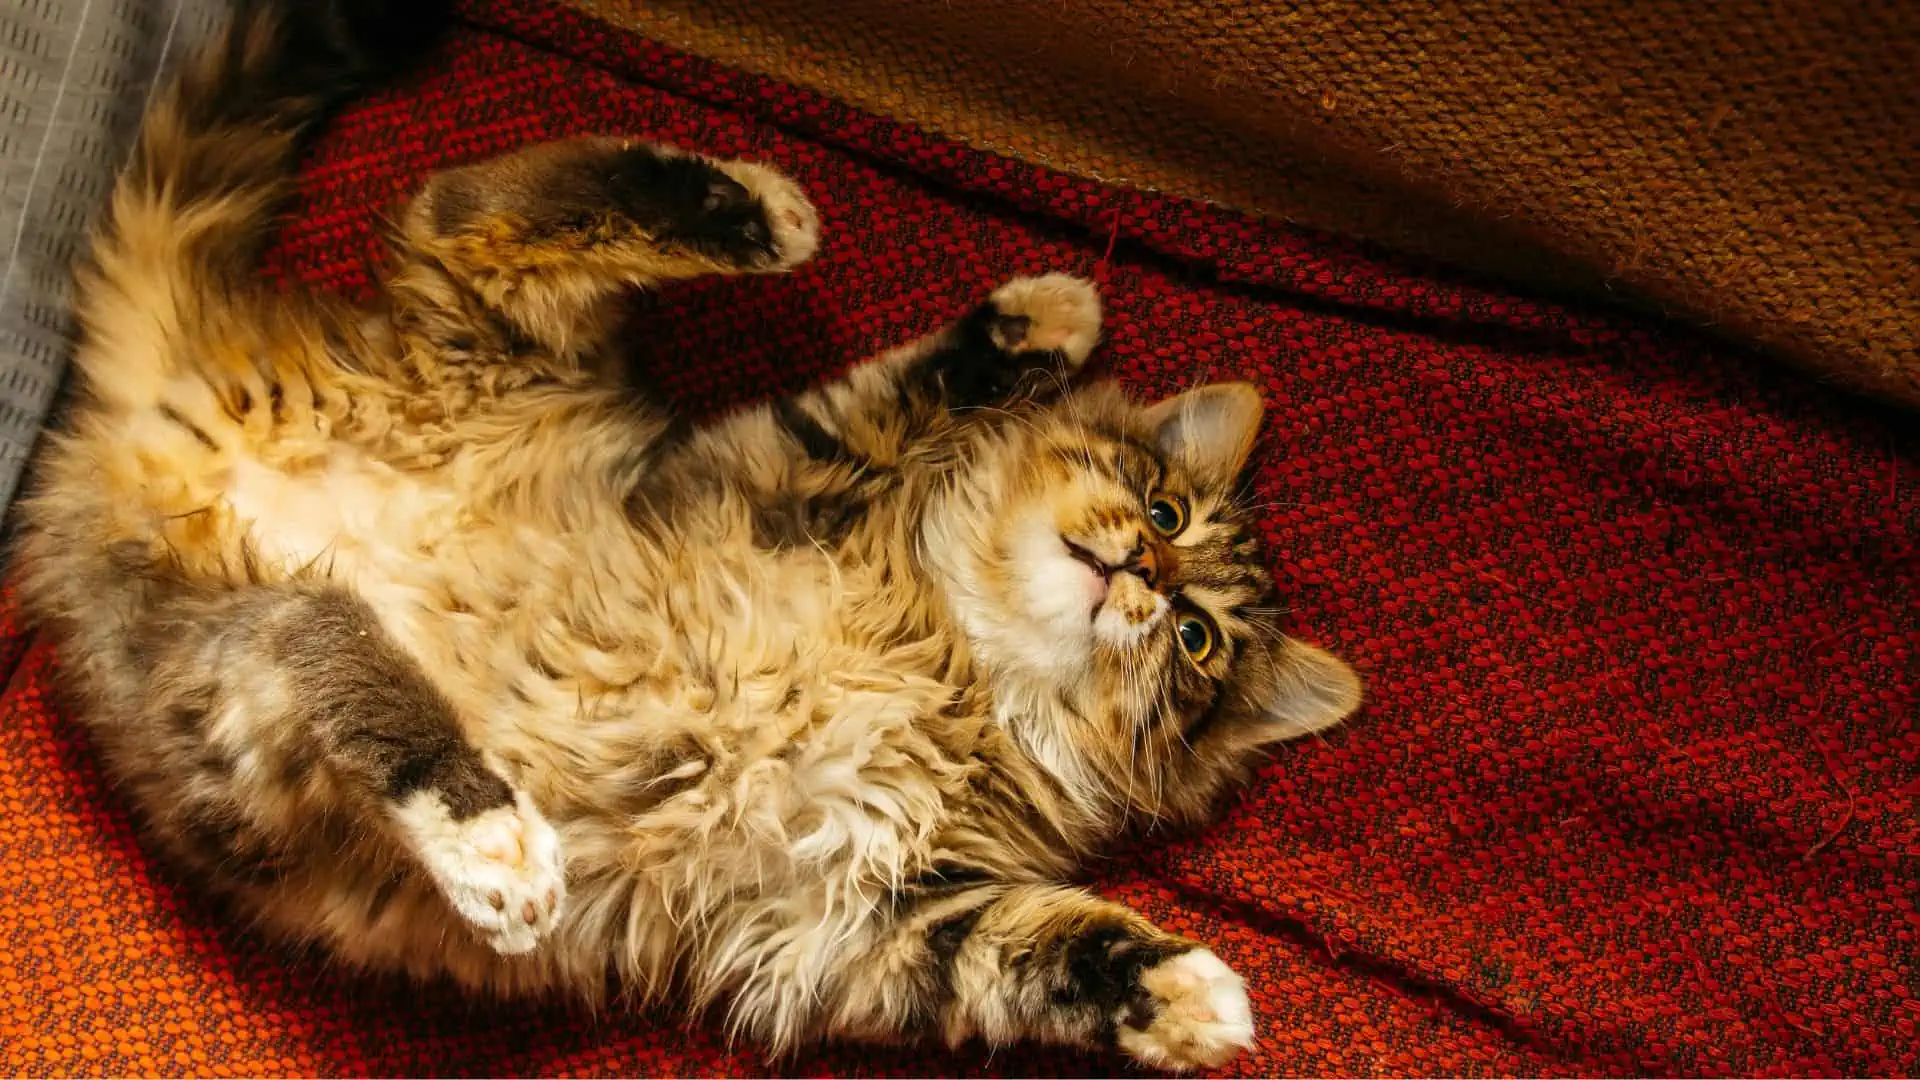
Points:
[(1751, 165)]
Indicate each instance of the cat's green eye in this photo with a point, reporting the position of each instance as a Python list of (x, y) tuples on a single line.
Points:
[(1196, 636), (1168, 514)]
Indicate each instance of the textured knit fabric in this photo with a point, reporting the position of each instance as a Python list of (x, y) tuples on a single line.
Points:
[(1751, 164), (73, 78), (1635, 790)]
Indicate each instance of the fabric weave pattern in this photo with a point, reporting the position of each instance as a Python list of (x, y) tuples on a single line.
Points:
[(1635, 789)]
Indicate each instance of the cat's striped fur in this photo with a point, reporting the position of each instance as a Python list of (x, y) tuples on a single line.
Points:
[(412, 632)]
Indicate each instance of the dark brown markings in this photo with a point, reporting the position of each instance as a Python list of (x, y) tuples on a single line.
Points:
[(842, 498), (1010, 331), (947, 877), (968, 367), (814, 439), (947, 937), (594, 191), (1136, 464), (214, 837), (654, 786), (383, 896), (379, 718), (455, 205), (661, 478), (1198, 727), (1103, 964), (1203, 567), (187, 721), (296, 767), (686, 202), (173, 415)]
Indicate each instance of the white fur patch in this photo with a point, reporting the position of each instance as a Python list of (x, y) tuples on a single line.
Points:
[(1204, 1017), (1114, 628), (500, 869), (1038, 727), (359, 522), (1059, 592)]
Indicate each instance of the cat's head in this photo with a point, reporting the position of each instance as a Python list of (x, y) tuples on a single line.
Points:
[(1103, 568)]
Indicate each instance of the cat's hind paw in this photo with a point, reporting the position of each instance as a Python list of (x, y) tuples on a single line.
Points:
[(734, 216), (501, 869), (1199, 1016)]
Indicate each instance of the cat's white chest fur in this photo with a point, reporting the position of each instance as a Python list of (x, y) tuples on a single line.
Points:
[(356, 521)]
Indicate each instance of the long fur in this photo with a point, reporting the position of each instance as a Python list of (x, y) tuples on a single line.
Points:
[(409, 630)]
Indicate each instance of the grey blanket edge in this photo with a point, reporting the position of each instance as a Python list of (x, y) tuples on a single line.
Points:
[(74, 78)]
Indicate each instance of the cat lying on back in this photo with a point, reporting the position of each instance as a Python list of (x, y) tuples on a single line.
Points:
[(412, 632)]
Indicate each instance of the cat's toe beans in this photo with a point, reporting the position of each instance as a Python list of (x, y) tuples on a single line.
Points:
[(1201, 1016), (1051, 313)]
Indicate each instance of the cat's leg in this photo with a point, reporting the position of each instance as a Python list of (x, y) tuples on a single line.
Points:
[(273, 708), (837, 447), (1011, 963), (550, 236), (1026, 339)]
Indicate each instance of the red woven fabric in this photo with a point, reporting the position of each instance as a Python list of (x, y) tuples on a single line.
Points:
[(1636, 788)]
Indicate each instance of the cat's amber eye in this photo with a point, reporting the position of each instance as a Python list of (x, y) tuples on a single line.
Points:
[(1168, 514), (1196, 636)]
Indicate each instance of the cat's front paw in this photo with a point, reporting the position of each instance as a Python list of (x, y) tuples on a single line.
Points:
[(501, 869), (1198, 1016), (792, 224), (1053, 313)]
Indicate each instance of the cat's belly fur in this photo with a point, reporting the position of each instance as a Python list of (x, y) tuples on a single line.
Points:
[(689, 719)]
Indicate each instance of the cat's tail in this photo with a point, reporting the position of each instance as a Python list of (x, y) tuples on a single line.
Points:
[(215, 157)]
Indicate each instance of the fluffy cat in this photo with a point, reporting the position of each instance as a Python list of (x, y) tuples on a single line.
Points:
[(419, 638)]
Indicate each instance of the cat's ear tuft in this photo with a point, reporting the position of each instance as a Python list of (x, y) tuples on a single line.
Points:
[(1208, 432), (1307, 690)]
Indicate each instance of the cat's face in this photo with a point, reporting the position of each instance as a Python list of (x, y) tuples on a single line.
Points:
[(1101, 560)]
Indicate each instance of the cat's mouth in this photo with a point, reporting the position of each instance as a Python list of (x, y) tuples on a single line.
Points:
[(1101, 573)]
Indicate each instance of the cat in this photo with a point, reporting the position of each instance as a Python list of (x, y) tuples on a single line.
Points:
[(421, 639)]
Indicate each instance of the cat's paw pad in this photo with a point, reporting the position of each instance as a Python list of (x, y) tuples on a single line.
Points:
[(501, 869), (1055, 313), (775, 214), (1199, 1015)]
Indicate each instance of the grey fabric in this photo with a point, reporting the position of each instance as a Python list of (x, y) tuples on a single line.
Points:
[(74, 76)]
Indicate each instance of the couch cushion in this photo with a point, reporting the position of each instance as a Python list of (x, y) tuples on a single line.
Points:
[(1750, 165)]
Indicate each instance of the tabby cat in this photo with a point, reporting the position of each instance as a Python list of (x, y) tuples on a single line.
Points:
[(413, 633)]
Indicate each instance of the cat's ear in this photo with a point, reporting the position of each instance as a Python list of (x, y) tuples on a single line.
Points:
[(1208, 432), (1281, 691), (1305, 689)]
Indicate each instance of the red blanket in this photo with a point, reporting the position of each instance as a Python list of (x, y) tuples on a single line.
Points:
[(1636, 788)]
